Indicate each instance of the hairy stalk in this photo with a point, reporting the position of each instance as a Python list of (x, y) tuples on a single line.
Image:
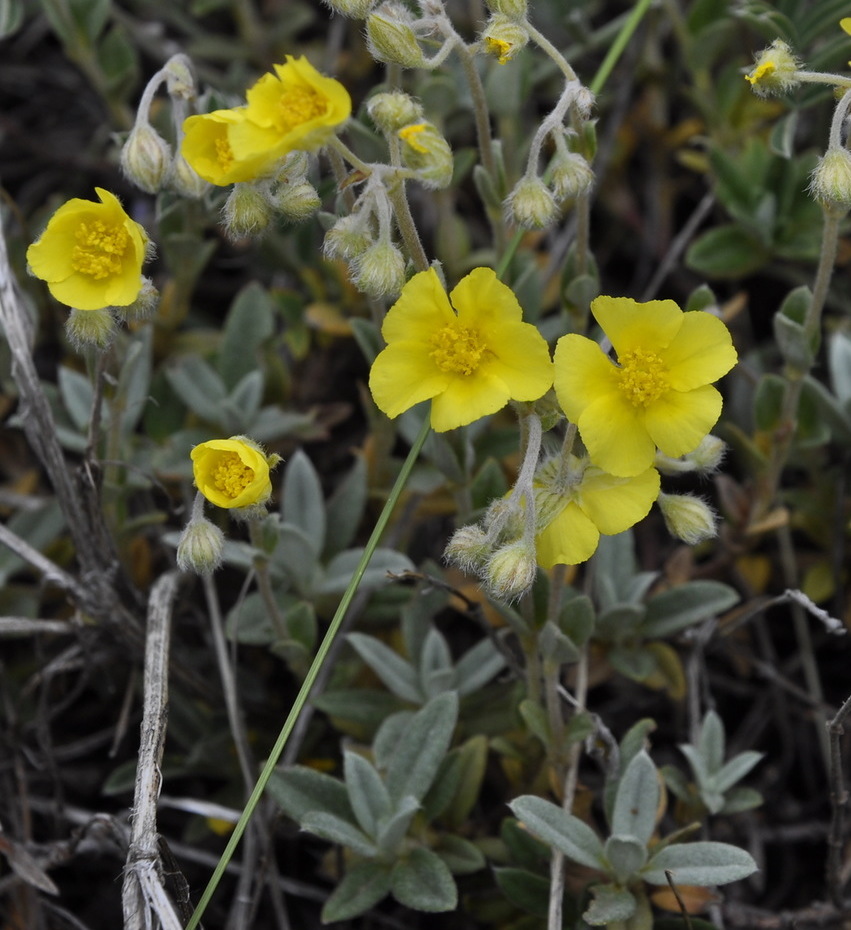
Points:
[(549, 49), (406, 225), (310, 678)]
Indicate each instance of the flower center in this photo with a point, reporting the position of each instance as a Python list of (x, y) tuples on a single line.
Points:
[(409, 134), (224, 154), (766, 68), (99, 250), (232, 476), (457, 349), (299, 105), (498, 47), (643, 377)]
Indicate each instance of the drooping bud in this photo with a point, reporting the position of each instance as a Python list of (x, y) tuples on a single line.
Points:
[(571, 176), (831, 179), (183, 179), (355, 9), (145, 158), (426, 151), (90, 329), (180, 83), (200, 547), (774, 71), (391, 39), (392, 110), (513, 9), (348, 238), (688, 517), (296, 201), (531, 204), (246, 212), (380, 270), (510, 571), (469, 549), (503, 37)]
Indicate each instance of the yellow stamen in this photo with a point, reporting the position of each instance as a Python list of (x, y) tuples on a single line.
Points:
[(642, 377), (299, 105), (231, 476), (761, 71), (500, 48), (224, 154), (99, 250), (457, 349), (409, 134)]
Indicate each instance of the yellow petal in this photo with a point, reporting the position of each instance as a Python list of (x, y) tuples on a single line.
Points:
[(677, 422), (467, 398), (207, 457), (421, 310), (583, 373), (571, 538), (615, 504), (701, 352), (615, 436), (520, 359), (402, 375), (631, 325), (845, 24), (483, 301)]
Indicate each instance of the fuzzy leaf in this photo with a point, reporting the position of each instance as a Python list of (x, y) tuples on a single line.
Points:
[(367, 794), (561, 830), (526, 890), (626, 855), (302, 501), (336, 830), (423, 882), (477, 666), (685, 605), (711, 744), (701, 863), (636, 800), (610, 904), (362, 887), (344, 509), (460, 856), (736, 769), (394, 671), (394, 829), (299, 790)]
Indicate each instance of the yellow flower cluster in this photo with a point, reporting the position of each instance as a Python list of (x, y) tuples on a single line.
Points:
[(294, 109)]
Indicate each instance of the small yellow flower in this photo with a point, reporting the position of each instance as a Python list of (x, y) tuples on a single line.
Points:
[(775, 70), (233, 472), (470, 363), (294, 109), (207, 149), (91, 254), (660, 391), (576, 504)]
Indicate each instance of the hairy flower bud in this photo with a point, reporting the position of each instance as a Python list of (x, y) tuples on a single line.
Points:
[(469, 549), (145, 158), (391, 39), (503, 37), (93, 329), (380, 270), (426, 151), (200, 547), (348, 238), (688, 517), (297, 201), (180, 82), (774, 71), (247, 212), (392, 110), (510, 571), (183, 179), (831, 180), (514, 9), (571, 176), (143, 307), (531, 205)]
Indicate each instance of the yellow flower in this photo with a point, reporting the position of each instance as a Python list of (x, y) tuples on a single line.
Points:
[(574, 505), (207, 148), (469, 363), (775, 70), (296, 108), (658, 394), (91, 254), (233, 472)]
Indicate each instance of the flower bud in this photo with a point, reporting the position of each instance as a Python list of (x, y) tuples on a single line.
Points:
[(90, 329), (356, 9), (246, 212), (143, 307), (348, 238), (297, 201), (688, 517), (145, 158), (707, 457), (531, 205), (504, 520), (393, 110), (200, 547), (774, 71), (426, 151), (469, 549), (183, 180), (503, 37), (510, 571), (380, 270), (571, 176), (831, 180), (180, 82), (513, 9), (391, 39)]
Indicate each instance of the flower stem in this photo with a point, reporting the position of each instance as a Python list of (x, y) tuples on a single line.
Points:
[(547, 47), (406, 225), (310, 678)]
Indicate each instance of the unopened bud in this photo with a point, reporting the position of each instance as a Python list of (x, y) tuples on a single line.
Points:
[(380, 270), (356, 9), (145, 158), (180, 82), (246, 212), (393, 110), (348, 238), (531, 205), (90, 329), (503, 37), (688, 518), (831, 180), (510, 571), (514, 9), (707, 457), (200, 547), (297, 201), (571, 176), (504, 520), (391, 39), (185, 181), (774, 71), (426, 151), (469, 549), (143, 307)]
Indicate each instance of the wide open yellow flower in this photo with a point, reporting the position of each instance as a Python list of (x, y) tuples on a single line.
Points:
[(574, 505), (232, 472), (91, 254), (296, 108), (207, 148), (469, 363), (658, 394)]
